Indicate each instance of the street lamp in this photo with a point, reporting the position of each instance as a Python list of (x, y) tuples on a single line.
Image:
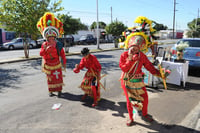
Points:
[(97, 26), (174, 17)]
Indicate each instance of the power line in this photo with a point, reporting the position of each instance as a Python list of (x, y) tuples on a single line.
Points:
[(86, 12)]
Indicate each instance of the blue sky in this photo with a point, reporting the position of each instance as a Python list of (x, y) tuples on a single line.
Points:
[(126, 11)]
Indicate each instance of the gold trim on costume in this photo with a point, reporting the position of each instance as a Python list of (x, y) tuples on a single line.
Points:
[(55, 85), (134, 85), (137, 97), (85, 87), (46, 71), (52, 67), (136, 92)]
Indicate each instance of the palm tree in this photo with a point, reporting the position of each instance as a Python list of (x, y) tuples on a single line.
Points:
[(194, 28)]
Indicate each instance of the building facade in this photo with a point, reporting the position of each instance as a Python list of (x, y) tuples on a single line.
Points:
[(6, 36)]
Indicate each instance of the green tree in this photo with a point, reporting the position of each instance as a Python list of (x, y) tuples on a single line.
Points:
[(115, 28), (21, 16), (158, 26), (102, 25), (194, 28), (71, 25)]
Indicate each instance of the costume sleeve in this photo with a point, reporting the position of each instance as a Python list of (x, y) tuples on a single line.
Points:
[(42, 50), (125, 64), (149, 66), (62, 54), (81, 64), (98, 65)]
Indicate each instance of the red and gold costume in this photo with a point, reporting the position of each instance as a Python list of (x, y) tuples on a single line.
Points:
[(134, 89), (52, 51), (92, 75), (137, 40), (52, 66)]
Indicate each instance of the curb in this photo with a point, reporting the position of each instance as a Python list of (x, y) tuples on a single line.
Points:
[(192, 120), (35, 57)]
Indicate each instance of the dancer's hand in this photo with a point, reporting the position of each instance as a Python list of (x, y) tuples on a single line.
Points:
[(76, 66), (130, 51), (130, 54), (64, 67), (76, 70)]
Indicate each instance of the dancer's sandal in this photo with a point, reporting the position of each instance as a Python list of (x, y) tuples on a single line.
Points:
[(83, 97), (94, 104), (59, 94), (50, 94), (130, 122), (147, 118)]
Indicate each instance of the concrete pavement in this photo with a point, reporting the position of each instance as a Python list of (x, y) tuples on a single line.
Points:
[(191, 121)]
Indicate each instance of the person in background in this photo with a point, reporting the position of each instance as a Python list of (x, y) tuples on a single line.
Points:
[(90, 84), (132, 83), (52, 52)]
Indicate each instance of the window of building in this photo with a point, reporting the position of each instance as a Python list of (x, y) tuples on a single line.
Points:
[(10, 35)]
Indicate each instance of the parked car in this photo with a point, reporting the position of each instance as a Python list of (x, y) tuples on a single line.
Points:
[(69, 39), (18, 43), (39, 42), (191, 53), (87, 39)]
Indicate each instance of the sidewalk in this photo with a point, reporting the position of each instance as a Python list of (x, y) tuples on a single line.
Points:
[(192, 120)]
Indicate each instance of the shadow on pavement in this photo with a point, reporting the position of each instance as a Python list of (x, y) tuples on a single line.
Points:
[(99, 56), (8, 78), (172, 87), (195, 72), (71, 97), (120, 109), (72, 62), (103, 104), (106, 64), (165, 128)]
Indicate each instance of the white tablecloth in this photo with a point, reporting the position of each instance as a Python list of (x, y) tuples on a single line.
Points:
[(179, 72)]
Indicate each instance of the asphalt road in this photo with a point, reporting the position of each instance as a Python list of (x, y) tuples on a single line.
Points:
[(19, 53), (26, 108)]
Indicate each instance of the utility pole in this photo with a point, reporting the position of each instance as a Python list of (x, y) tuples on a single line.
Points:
[(97, 25), (111, 13), (174, 17)]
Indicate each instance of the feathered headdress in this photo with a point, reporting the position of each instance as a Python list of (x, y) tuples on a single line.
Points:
[(144, 31), (49, 25), (137, 38)]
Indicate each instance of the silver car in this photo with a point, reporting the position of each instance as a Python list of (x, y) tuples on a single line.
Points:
[(18, 43)]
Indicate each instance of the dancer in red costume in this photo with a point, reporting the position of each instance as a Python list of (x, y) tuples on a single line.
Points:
[(90, 84), (52, 53), (131, 63)]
